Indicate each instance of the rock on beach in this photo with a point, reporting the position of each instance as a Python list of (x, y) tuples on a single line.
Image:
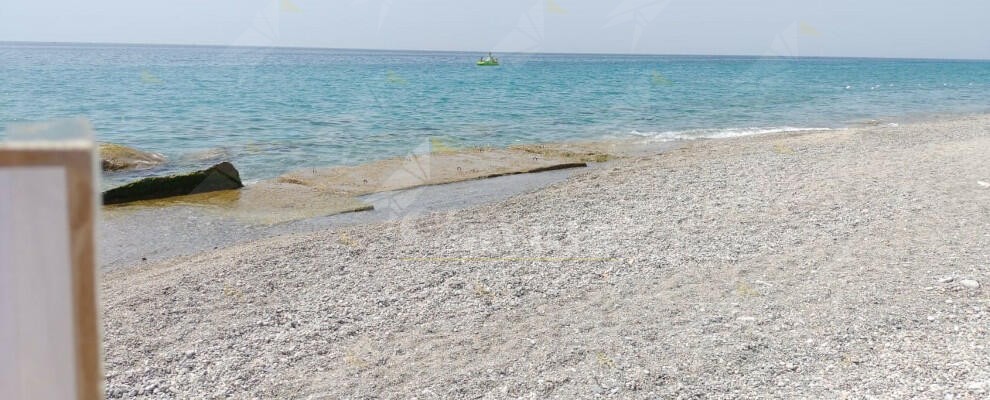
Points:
[(115, 157), (222, 176)]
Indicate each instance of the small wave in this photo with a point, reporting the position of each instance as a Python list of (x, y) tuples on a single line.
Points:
[(693, 134)]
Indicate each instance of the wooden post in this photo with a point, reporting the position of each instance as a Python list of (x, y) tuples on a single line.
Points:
[(49, 321)]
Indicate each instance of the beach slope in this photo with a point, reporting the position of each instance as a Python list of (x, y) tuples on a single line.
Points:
[(843, 263)]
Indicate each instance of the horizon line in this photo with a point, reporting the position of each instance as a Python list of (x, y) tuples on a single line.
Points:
[(19, 42)]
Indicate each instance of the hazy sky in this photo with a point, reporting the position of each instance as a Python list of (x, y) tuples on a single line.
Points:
[(881, 28)]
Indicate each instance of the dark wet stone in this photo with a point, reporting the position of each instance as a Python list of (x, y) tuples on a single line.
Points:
[(222, 176)]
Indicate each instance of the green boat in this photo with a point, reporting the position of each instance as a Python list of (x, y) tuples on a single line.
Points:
[(488, 61)]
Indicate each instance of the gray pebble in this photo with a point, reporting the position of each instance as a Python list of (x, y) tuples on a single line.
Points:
[(969, 284)]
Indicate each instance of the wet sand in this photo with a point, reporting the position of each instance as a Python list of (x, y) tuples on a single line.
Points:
[(427, 169), (140, 235), (303, 201)]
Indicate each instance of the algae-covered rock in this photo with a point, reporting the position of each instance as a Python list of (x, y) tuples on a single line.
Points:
[(222, 176), (115, 157)]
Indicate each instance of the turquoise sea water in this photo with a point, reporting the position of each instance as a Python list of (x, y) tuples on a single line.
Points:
[(275, 110)]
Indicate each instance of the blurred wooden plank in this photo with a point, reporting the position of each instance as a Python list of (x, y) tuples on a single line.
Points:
[(78, 165)]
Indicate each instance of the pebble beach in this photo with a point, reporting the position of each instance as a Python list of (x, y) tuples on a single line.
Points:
[(846, 263)]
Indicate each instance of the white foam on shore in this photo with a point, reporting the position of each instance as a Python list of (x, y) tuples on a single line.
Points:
[(694, 134)]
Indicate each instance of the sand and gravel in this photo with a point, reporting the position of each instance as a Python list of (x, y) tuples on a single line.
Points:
[(848, 263)]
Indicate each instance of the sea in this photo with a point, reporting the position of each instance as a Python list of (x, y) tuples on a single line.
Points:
[(275, 110)]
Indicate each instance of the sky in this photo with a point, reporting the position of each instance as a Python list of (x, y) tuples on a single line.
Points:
[(856, 28)]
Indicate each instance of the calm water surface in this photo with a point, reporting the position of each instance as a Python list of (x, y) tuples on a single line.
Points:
[(276, 110)]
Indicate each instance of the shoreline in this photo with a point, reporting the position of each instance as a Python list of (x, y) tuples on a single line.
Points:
[(322, 198), (201, 158), (132, 245), (127, 241)]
